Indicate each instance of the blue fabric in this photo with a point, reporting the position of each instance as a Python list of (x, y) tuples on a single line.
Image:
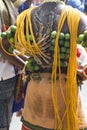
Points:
[(76, 4), (17, 106), (85, 1), (22, 7)]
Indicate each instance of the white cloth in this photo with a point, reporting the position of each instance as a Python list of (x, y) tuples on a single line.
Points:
[(6, 69), (82, 59)]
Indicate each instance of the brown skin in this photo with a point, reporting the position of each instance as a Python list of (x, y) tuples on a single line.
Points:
[(18, 61), (38, 107), (21, 60), (58, 8)]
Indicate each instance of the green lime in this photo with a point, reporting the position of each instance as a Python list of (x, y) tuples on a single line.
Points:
[(63, 63), (53, 42), (51, 48), (67, 36), (81, 37), (61, 42), (36, 68), (67, 56), (10, 49), (85, 33), (31, 60), (3, 35), (62, 55), (30, 38), (53, 34), (62, 35), (8, 33), (28, 65), (68, 50), (31, 69), (84, 44), (79, 41), (63, 49), (66, 43), (11, 40), (13, 28)]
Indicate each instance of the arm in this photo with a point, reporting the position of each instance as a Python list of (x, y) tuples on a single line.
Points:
[(82, 61), (18, 60)]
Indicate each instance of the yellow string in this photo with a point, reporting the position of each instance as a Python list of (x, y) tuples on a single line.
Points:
[(56, 64), (25, 47), (71, 95)]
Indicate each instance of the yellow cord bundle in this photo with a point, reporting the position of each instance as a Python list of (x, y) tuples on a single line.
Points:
[(23, 44), (25, 47), (71, 84)]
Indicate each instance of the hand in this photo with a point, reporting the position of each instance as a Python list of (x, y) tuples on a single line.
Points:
[(82, 73)]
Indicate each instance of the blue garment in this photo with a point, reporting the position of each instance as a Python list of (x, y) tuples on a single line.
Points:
[(17, 105), (76, 4), (85, 1), (23, 7), (85, 6)]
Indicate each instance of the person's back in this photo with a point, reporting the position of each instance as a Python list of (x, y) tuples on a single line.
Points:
[(38, 108)]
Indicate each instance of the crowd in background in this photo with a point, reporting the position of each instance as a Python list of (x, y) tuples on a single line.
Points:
[(79, 4)]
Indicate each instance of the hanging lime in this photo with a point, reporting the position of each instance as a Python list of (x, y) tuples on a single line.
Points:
[(10, 49), (30, 38), (11, 40), (51, 48), (3, 35), (67, 56), (78, 41), (8, 33), (61, 42), (62, 55), (66, 43), (68, 50), (13, 28), (63, 49), (53, 34), (85, 33), (67, 36), (81, 37), (36, 68), (31, 60), (62, 35), (63, 63), (53, 42), (31, 69)]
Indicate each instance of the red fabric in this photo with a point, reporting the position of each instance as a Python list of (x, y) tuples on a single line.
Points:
[(78, 52), (24, 128), (85, 71)]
